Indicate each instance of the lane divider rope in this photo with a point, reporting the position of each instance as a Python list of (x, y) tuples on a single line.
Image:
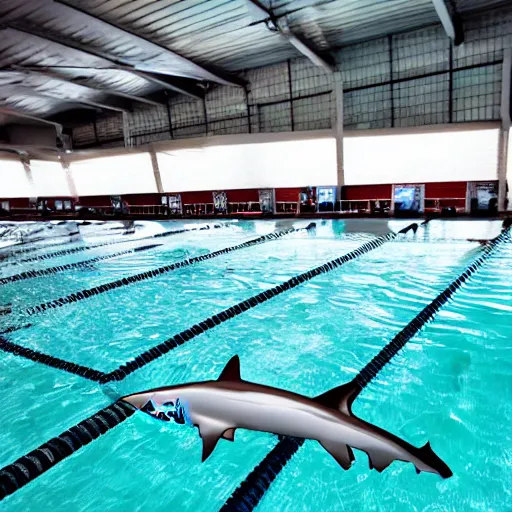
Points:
[(65, 252), (252, 489), (149, 274), (71, 266), (73, 237), (27, 468), (54, 362)]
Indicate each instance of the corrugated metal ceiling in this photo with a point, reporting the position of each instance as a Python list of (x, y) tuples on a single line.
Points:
[(68, 54)]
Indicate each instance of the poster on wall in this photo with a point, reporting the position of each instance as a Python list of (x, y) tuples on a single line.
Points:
[(175, 204), (408, 198), (307, 200), (220, 202), (266, 197), (483, 196), (326, 199)]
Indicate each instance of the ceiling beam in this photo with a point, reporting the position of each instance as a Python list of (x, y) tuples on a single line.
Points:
[(8, 111), (167, 83), (450, 20), (49, 73), (210, 75), (23, 90), (280, 25)]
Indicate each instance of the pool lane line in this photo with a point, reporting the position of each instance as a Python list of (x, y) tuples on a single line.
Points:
[(252, 489), (7, 255), (65, 252), (179, 339), (71, 266), (54, 362), (10, 253), (119, 283), (15, 328), (28, 467)]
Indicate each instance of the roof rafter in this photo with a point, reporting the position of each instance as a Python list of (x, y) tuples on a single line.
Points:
[(450, 20), (49, 73), (165, 82), (279, 24), (9, 111), (215, 76), (24, 90)]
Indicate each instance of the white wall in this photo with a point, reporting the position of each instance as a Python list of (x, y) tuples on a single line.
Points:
[(426, 157), (256, 165), (13, 180), (123, 174), (49, 178)]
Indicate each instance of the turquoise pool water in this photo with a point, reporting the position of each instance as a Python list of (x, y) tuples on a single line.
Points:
[(451, 384)]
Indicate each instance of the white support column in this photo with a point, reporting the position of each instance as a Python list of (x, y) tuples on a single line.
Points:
[(69, 177), (506, 87), (126, 130), (338, 127), (25, 160), (156, 171)]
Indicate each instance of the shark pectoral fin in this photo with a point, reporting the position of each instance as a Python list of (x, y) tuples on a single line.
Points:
[(210, 434), (342, 453), (340, 398), (231, 370), (229, 434)]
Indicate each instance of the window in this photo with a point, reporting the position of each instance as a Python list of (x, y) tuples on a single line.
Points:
[(13, 180), (426, 157), (49, 178), (114, 175), (297, 163)]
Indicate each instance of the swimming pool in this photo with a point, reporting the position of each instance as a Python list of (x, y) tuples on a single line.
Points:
[(451, 384)]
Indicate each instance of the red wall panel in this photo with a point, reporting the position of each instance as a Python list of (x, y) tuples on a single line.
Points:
[(203, 196), (243, 196), (287, 194), (95, 201), (446, 189), (357, 192), (142, 199), (17, 202)]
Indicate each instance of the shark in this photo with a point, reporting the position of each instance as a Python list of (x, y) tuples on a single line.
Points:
[(218, 408)]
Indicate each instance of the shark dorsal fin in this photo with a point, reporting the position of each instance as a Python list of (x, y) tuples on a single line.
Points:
[(340, 398), (231, 370)]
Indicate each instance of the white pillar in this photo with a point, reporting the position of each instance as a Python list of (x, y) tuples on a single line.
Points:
[(338, 127), (502, 167), (506, 86), (25, 160), (69, 177), (156, 171), (126, 130)]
